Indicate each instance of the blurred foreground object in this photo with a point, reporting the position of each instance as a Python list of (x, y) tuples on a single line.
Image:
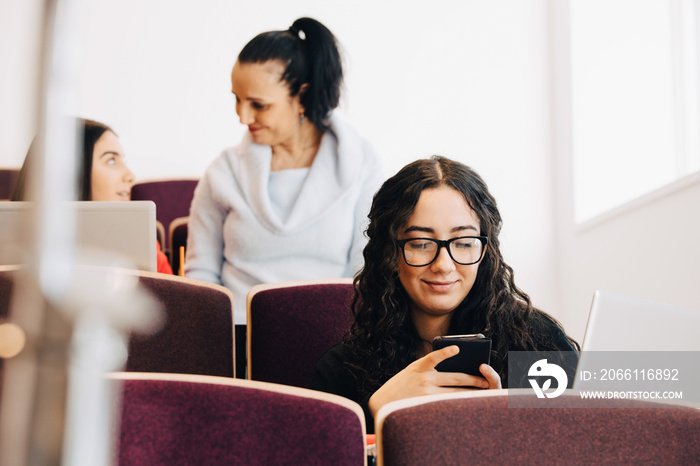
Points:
[(54, 401)]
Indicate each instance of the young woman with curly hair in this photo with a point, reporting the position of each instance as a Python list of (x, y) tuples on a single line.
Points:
[(433, 266)]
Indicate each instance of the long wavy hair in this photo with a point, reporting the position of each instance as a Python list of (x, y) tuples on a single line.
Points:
[(90, 131), (383, 339)]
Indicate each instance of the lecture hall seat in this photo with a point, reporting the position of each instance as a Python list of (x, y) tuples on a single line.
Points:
[(172, 198), (292, 324), (170, 419), (478, 427)]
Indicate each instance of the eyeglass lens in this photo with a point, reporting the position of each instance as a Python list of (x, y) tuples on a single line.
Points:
[(423, 251)]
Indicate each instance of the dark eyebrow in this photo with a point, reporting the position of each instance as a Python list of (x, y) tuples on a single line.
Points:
[(430, 230), (465, 227), (423, 229), (251, 99), (110, 152)]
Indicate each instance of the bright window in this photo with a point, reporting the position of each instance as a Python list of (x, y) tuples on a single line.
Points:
[(635, 98)]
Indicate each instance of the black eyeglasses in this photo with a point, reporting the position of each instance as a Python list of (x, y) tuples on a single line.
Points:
[(465, 250)]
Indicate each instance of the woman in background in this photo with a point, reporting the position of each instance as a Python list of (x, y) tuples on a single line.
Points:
[(102, 173), (433, 267), (289, 202)]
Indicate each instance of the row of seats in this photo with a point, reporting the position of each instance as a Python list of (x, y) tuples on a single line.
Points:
[(190, 362), (171, 411), (181, 402), (290, 326), (209, 420)]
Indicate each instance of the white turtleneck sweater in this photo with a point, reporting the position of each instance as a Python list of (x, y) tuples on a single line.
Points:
[(239, 236)]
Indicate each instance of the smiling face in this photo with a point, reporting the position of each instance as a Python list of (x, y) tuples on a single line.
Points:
[(435, 290), (110, 179), (263, 102)]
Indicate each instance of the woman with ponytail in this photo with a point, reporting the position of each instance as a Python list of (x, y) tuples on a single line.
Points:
[(289, 202)]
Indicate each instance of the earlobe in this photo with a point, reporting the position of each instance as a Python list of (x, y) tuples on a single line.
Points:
[(302, 90)]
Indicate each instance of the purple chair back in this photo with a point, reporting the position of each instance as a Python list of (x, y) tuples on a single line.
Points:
[(172, 199), (484, 428), (178, 237), (8, 178), (160, 235), (197, 337), (6, 287), (214, 421), (290, 327)]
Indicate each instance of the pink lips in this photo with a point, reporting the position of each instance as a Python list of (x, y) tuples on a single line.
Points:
[(440, 286), (252, 129)]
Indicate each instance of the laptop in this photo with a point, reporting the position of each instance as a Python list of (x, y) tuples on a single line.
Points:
[(623, 323), (625, 333), (108, 233)]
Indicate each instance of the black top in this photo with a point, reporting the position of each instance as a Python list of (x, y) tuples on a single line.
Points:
[(331, 374)]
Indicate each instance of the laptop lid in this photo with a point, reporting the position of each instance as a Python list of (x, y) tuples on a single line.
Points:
[(623, 323), (623, 330), (106, 231)]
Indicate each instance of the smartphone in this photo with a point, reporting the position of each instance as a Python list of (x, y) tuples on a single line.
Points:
[(474, 350)]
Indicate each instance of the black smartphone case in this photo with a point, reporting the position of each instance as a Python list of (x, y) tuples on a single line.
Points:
[(473, 352)]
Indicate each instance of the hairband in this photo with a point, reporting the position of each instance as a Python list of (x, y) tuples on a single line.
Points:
[(296, 32)]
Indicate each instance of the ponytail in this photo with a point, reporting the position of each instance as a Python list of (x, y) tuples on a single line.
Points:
[(311, 57)]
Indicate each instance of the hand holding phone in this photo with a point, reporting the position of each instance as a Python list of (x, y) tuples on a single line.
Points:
[(474, 350)]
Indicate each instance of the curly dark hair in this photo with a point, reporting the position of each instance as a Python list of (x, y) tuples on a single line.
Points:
[(383, 339), (310, 54)]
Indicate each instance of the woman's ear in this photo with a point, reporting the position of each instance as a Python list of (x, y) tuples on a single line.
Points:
[(304, 87)]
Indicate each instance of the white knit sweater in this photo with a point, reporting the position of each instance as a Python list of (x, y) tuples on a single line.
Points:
[(236, 239)]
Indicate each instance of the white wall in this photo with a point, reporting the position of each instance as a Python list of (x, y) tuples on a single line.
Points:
[(647, 248), (465, 78), (19, 57)]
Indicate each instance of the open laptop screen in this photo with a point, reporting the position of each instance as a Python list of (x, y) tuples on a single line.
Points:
[(623, 323), (627, 339), (124, 230)]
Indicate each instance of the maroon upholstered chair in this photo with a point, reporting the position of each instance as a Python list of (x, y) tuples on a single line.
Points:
[(160, 235), (6, 287), (8, 178), (290, 326), (479, 427), (171, 419), (197, 336), (178, 237), (172, 199)]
